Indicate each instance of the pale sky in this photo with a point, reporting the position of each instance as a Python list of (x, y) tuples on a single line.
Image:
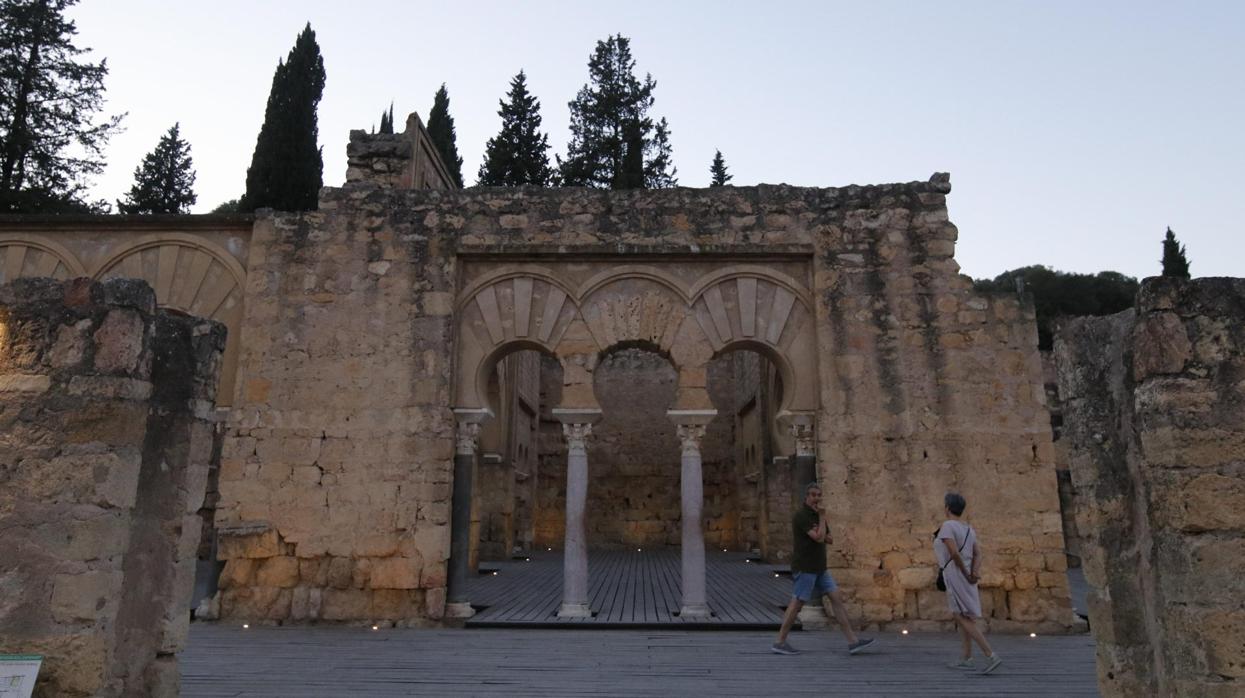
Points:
[(1074, 132)]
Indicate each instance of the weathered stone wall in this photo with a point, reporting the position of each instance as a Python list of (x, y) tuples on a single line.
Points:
[(335, 476), (106, 416), (1154, 420), (923, 385)]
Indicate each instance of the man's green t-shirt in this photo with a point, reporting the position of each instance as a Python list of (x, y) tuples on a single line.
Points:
[(807, 555)]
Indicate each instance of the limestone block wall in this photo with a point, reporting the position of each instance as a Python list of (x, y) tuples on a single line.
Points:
[(336, 470), (106, 412), (335, 473), (1154, 420)]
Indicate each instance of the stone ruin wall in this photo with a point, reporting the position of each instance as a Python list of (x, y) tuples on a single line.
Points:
[(106, 421), (335, 477), (1154, 405)]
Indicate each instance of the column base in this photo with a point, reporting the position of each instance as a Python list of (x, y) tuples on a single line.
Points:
[(459, 609), (813, 617), (574, 610), (695, 611)]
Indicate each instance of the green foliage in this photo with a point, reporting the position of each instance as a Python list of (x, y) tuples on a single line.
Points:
[(287, 169), (718, 170), (615, 144), (230, 206), (518, 153), (1174, 261), (441, 132), (51, 141), (1059, 294), (386, 120), (165, 181)]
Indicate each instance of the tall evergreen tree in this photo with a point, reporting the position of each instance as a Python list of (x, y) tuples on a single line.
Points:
[(718, 170), (164, 182), (614, 142), (51, 136), (1174, 261), (518, 153), (441, 131), (386, 120), (287, 168)]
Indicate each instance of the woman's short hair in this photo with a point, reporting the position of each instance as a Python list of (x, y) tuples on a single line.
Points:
[(955, 503)]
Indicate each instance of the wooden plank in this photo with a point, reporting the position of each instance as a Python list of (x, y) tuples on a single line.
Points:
[(224, 660)]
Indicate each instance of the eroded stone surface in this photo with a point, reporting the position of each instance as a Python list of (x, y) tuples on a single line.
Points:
[(1154, 419), (102, 456)]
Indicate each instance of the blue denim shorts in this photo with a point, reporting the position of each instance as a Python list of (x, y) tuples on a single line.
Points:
[(806, 581)]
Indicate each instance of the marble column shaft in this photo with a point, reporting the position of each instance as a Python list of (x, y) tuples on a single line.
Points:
[(575, 549), (695, 602)]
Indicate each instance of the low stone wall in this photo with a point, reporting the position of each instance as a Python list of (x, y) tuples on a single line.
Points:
[(1154, 419), (106, 414)]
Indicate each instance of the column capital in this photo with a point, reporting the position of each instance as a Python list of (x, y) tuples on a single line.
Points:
[(690, 435), (467, 431), (805, 444), (577, 436)]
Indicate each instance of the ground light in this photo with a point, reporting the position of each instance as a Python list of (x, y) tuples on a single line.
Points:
[(1032, 634), (904, 631), (494, 573), (245, 626), (375, 627)]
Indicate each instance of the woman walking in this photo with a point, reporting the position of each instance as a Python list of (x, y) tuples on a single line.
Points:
[(959, 557)]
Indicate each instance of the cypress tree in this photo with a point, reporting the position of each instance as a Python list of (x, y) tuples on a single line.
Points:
[(51, 139), (718, 170), (386, 120), (441, 132), (164, 182), (614, 142), (287, 169), (518, 153), (1174, 261)]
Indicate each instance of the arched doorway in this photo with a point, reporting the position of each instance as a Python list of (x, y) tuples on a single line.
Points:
[(593, 319)]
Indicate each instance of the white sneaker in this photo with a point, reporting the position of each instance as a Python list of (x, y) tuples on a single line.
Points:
[(965, 664), (992, 663)]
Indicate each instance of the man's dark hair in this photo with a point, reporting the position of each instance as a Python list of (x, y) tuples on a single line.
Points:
[(810, 487), (955, 503)]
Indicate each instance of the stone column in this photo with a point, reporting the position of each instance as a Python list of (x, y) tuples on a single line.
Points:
[(691, 428), (804, 471), (467, 439), (577, 427)]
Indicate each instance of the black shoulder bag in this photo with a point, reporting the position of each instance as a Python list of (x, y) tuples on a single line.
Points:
[(942, 583)]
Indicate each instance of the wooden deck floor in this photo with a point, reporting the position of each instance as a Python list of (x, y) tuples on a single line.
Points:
[(225, 661), (629, 589)]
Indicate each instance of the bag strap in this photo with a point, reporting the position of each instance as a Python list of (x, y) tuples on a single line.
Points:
[(966, 535)]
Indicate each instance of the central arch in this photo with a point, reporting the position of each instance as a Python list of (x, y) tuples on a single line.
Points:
[(579, 313)]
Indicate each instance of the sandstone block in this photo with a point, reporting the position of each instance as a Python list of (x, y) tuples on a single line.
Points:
[(119, 342), (84, 597), (1160, 345), (280, 571), (345, 604), (251, 542), (917, 577), (396, 573), (238, 572)]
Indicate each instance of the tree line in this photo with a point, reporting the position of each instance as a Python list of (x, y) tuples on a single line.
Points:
[(54, 136)]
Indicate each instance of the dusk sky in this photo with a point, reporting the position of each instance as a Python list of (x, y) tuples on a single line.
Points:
[(1075, 133)]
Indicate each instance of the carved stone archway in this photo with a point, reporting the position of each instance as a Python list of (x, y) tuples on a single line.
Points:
[(577, 312)]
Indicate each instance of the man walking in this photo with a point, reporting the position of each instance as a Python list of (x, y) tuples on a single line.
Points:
[(808, 571)]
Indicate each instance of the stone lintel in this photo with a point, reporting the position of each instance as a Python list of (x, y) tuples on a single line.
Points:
[(691, 417)]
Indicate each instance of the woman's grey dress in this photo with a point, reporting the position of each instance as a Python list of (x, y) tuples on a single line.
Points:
[(962, 597)]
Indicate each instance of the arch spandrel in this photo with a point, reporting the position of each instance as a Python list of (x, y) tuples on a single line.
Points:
[(509, 311), (736, 307), (24, 255), (190, 275)]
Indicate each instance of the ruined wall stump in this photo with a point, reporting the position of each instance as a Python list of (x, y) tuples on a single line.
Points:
[(1154, 405), (106, 410)]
